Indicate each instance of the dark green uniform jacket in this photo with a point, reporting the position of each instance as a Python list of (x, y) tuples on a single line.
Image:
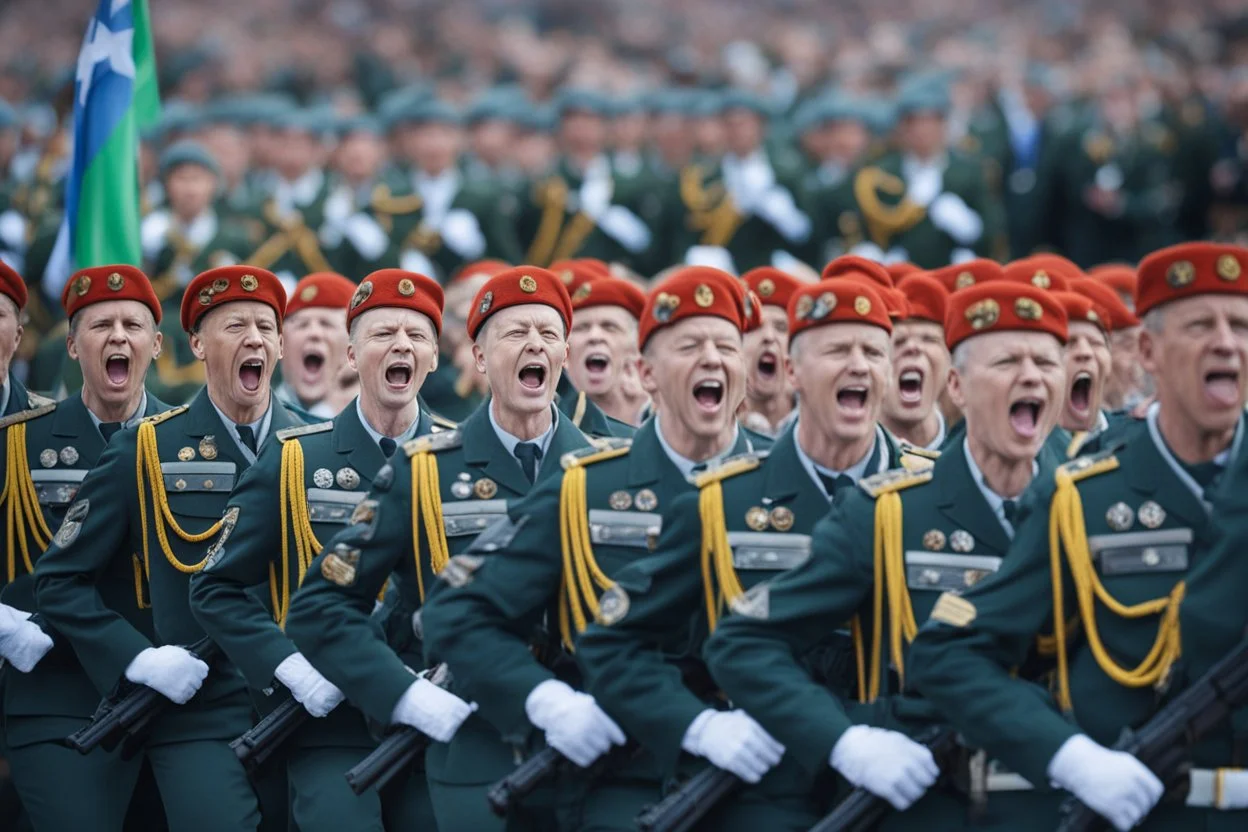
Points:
[(585, 414)]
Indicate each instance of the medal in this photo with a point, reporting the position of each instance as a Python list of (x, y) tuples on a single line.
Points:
[(620, 500), (322, 478), (934, 540), (347, 478), (47, 457), (208, 447), (961, 541), (186, 454), (1120, 517), (1152, 515), (646, 500), (485, 488), (757, 518)]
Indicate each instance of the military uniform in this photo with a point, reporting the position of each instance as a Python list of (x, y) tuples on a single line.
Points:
[(301, 236), (585, 414)]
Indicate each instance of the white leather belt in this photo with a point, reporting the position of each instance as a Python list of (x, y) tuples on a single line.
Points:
[(1218, 788)]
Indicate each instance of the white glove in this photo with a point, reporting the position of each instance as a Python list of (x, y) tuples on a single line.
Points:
[(366, 235), (171, 671), (574, 724), (462, 234), (431, 710), (595, 196), (1113, 783), (733, 741), (717, 257), (625, 227), (21, 642), (886, 763), (924, 185), (755, 180), (954, 217), (777, 207), (313, 691)]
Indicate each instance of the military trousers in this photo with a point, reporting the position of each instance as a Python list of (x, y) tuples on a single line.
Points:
[(203, 786), (321, 800)]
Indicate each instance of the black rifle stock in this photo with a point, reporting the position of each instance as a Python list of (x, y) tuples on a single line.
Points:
[(397, 750), (257, 745), (1162, 742), (518, 785), (687, 805)]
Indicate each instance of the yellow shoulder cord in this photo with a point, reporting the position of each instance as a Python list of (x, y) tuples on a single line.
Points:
[(860, 659), (554, 196), (581, 573), (139, 576), (293, 506), (1067, 531), (573, 236), (883, 223), (890, 576), (147, 462), (1076, 441), (579, 413), (716, 554), (24, 519), (272, 249), (427, 498)]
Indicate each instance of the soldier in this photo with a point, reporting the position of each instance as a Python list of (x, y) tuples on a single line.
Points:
[(1088, 359), (113, 334), (314, 345), (606, 511), (13, 396), (444, 490), (838, 131), (920, 366), (901, 537), (394, 319), (1126, 378), (147, 510), (357, 159), (1141, 505), (768, 397), (603, 342)]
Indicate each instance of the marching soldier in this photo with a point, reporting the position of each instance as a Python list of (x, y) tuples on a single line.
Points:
[(313, 479), (314, 346), (149, 516), (1129, 521), (13, 396), (838, 133), (113, 335), (1087, 358), (899, 538), (444, 489), (920, 366), (606, 510), (768, 396), (1125, 375)]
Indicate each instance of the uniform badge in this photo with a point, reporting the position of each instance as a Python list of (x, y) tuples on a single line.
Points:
[(963, 280), (339, 565), (69, 454), (1028, 309), (220, 285), (461, 490), (116, 282), (179, 484), (805, 305), (646, 500), (249, 283), (766, 287), (407, 288), (528, 284), (1228, 268), (664, 306), (1150, 556), (365, 512), (186, 454), (757, 518), (347, 478), (862, 305), (363, 293), (228, 521), (933, 540), (983, 314), (72, 524), (703, 296), (953, 610), (83, 285), (322, 478), (1181, 273), (47, 458), (620, 500), (755, 603), (961, 541), (782, 518), (308, 294), (1120, 517), (824, 304), (485, 488), (612, 606), (487, 300), (1152, 515), (208, 447), (970, 577)]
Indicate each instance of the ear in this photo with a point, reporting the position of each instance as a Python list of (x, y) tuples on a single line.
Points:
[(158, 344), (956, 394), (478, 358), (1148, 354), (352, 362), (197, 345), (71, 346), (645, 373), (790, 373)]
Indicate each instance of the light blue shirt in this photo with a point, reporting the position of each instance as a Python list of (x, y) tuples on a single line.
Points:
[(686, 465), (260, 428), (5, 389), (995, 501), (410, 433), (855, 472), (1222, 459), (935, 444), (510, 442), (129, 423)]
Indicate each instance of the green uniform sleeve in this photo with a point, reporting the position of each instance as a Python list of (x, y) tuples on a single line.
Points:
[(67, 576), (235, 618)]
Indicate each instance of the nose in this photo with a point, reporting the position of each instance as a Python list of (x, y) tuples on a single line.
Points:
[(117, 333), (710, 355), (252, 337), (1224, 342), (402, 343), (857, 363)]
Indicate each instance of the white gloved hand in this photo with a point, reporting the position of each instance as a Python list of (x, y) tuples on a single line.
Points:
[(595, 196), (777, 207), (953, 216), (462, 234), (733, 741), (886, 763), (21, 642), (314, 692), (1113, 783), (924, 185), (574, 724), (755, 180), (717, 257), (172, 671), (431, 710)]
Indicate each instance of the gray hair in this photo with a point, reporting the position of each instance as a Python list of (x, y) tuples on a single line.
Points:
[(961, 356), (1155, 320)]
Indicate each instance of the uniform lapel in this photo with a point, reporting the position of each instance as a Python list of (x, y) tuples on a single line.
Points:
[(71, 422), (648, 463), (352, 441), (963, 503), (283, 418), (19, 399), (567, 438), (202, 421), (1148, 474), (788, 484), (483, 449)]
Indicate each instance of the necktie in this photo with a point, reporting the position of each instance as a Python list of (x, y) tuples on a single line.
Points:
[(833, 483), (700, 468), (528, 454), (107, 429), (248, 437), (387, 446), (1010, 509)]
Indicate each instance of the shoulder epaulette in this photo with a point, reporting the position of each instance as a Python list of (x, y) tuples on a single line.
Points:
[(26, 415), (907, 448), (39, 401), (443, 422), (730, 467), (303, 430), (434, 442), (1077, 442), (599, 449), (167, 415), (897, 479), (1092, 464)]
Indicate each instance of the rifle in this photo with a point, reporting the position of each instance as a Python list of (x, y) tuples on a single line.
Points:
[(687, 805), (125, 716), (1162, 743), (862, 810), (258, 744), (396, 752), (509, 792)]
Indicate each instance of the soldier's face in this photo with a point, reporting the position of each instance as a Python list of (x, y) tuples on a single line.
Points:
[(314, 349), (694, 370), (766, 351), (923, 134), (583, 132), (393, 351), (114, 343), (1011, 391), (436, 146), (603, 341), (359, 156), (521, 353), (1199, 360), (841, 373), (1125, 376), (191, 189), (1087, 370), (10, 334), (920, 369), (240, 344), (743, 130)]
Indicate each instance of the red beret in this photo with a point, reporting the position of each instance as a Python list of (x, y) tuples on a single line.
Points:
[(489, 268), (899, 271), (773, 287), (1118, 276), (101, 283), (841, 300), (397, 287), (1002, 306), (962, 275), (926, 298), (1045, 271), (324, 290), (609, 291), (848, 264), (752, 307), (575, 273), (1120, 316), (12, 285), (692, 291), (895, 304), (1082, 308), (226, 284), (515, 287), (1190, 269)]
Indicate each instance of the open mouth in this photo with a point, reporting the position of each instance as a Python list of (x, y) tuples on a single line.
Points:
[(597, 363), (117, 367), (768, 365), (533, 376), (250, 373), (1081, 392), (313, 363), (852, 399), (709, 395), (910, 387), (399, 376), (1025, 416), (1222, 387)]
